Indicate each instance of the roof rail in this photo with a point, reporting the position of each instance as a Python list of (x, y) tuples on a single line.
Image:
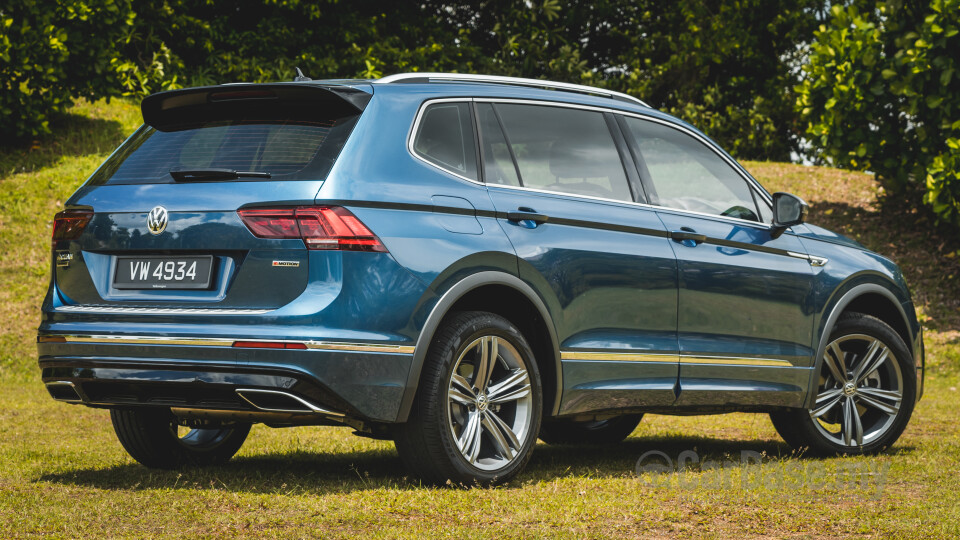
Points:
[(513, 81)]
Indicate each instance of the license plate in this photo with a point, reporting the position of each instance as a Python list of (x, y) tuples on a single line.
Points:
[(163, 272)]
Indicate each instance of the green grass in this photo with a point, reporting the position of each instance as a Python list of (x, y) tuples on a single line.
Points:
[(63, 474)]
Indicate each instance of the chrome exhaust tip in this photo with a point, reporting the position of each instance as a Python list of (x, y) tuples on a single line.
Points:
[(281, 402), (64, 391)]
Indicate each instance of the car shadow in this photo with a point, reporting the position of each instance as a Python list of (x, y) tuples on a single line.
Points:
[(315, 472)]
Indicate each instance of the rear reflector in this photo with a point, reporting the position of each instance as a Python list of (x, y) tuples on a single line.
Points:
[(320, 227), (268, 345), (69, 224)]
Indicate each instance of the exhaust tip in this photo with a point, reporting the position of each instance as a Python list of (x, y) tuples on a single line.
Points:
[(279, 401), (64, 391)]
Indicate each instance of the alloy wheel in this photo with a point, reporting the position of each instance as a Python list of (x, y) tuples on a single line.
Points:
[(860, 391), (490, 403)]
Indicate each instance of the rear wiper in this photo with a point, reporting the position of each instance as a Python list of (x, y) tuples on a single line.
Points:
[(199, 175)]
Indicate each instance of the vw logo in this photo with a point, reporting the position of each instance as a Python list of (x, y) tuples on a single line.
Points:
[(157, 220)]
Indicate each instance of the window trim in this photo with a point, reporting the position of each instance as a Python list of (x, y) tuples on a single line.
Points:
[(751, 182), (414, 129), (642, 163)]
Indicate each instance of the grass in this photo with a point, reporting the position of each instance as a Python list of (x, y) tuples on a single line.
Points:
[(63, 474)]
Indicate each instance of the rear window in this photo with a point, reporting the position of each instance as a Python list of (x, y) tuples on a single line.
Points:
[(288, 149)]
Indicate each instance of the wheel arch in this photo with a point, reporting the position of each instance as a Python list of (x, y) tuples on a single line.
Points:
[(868, 298), (513, 299)]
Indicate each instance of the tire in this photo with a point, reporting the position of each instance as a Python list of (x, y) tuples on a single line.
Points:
[(150, 437), (877, 394), (460, 425), (610, 431)]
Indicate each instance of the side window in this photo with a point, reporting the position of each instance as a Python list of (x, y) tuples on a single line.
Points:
[(498, 167), (445, 138), (564, 150), (687, 175)]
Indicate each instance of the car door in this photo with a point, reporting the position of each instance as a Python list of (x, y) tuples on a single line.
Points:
[(745, 312), (604, 265)]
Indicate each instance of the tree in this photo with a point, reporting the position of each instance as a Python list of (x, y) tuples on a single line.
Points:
[(882, 93)]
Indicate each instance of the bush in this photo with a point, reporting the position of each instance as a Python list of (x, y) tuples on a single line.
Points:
[(53, 52), (882, 93)]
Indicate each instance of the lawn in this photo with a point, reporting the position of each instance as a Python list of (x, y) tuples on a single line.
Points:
[(63, 474)]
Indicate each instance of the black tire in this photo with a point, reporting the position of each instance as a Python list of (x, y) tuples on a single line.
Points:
[(428, 441), (150, 437), (800, 430), (610, 431)]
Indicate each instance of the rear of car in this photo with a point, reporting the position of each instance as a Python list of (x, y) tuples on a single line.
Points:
[(196, 270)]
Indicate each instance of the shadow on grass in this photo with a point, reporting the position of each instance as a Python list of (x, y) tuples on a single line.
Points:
[(71, 135), (309, 472)]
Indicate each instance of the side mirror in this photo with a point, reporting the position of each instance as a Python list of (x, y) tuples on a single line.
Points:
[(788, 210)]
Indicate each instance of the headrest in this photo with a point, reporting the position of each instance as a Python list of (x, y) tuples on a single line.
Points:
[(572, 158)]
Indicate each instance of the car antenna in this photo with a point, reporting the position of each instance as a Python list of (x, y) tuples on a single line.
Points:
[(300, 76)]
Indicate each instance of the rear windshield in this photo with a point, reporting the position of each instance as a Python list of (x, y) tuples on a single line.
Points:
[(285, 148)]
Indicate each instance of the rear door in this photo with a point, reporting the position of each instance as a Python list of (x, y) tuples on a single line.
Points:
[(745, 302), (562, 194), (165, 231)]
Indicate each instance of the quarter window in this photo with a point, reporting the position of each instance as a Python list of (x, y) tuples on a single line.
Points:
[(445, 138), (563, 150), (685, 174)]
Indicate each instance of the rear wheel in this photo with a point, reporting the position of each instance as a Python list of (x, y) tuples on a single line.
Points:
[(155, 439), (865, 395), (610, 431), (477, 412)]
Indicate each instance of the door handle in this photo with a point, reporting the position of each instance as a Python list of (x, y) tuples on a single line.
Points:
[(686, 234), (527, 214)]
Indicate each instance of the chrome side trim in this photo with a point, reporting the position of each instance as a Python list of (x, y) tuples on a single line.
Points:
[(158, 311), (358, 347), (228, 342), (310, 406), (511, 81), (148, 340), (672, 358), (752, 182), (812, 259), (732, 361), (619, 356)]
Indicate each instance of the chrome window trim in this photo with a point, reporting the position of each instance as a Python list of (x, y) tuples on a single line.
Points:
[(226, 342), (416, 127), (751, 182)]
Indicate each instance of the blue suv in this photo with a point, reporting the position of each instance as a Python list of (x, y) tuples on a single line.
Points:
[(462, 264)]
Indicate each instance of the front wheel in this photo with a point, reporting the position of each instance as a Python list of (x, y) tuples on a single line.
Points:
[(478, 407), (155, 439), (865, 396)]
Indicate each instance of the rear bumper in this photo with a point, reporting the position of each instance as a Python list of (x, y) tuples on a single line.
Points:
[(365, 381)]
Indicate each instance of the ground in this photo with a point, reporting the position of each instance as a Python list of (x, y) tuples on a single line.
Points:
[(63, 474)]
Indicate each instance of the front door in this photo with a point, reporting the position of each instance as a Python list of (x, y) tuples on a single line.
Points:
[(745, 297)]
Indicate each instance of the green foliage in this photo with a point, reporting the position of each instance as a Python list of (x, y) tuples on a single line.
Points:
[(723, 65), (882, 93), (51, 52)]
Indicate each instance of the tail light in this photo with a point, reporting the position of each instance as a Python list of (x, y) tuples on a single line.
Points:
[(69, 224), (320, 227)]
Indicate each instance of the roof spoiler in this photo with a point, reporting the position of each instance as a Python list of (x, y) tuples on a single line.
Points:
[(225, 101)]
